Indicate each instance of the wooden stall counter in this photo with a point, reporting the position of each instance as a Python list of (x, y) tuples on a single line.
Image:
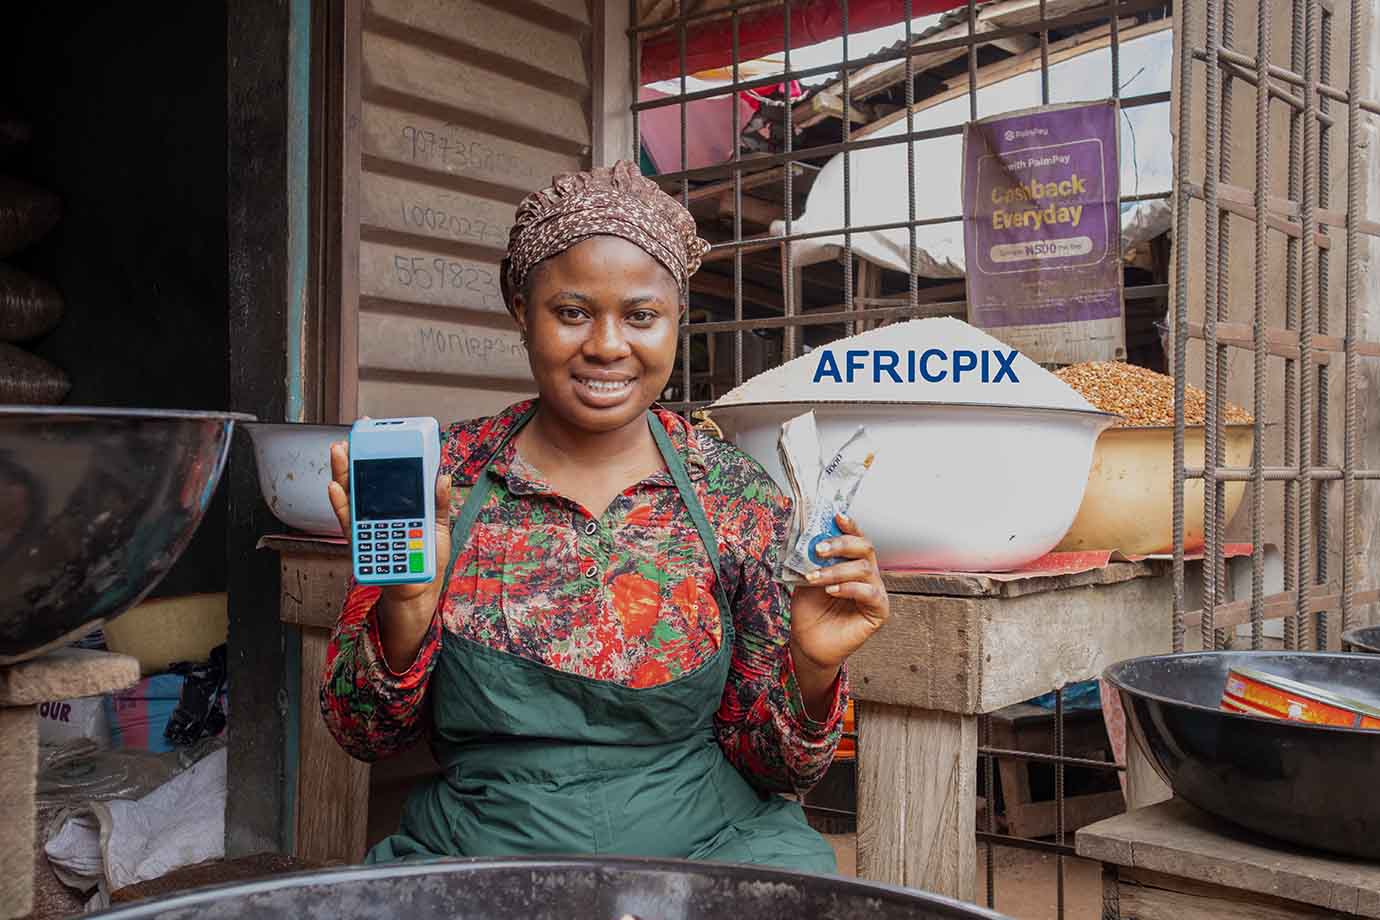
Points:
[(963, 645), (342, 804), (1173, 862)]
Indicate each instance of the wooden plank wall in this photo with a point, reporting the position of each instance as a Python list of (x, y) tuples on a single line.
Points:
[(465, 106)]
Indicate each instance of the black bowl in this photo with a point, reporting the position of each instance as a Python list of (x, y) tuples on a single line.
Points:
[(554, 889), (95, 507), (1365, 639), (1311, 785)]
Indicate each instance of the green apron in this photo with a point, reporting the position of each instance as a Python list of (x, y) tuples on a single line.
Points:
[(541, 762)]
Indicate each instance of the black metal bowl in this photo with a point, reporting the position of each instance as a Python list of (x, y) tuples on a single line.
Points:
[(95, 507), (1365, 639), (553, 889), (1306, 784)]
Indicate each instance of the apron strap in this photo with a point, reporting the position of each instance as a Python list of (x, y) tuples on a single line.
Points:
[(474, 502), (483, 485), (676, 466)]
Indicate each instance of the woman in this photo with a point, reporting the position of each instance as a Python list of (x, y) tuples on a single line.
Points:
[(607, 666)]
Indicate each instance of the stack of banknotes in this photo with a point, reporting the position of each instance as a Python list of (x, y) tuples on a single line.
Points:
[(822, 487)]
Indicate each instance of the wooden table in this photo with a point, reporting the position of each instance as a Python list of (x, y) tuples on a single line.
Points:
[(1157, 862), (61, 675), (337, 797), (959, 646)]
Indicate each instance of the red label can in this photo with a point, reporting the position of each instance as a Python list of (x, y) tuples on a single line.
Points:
[(1255, 693)]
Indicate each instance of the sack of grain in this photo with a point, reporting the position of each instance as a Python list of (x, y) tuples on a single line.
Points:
[(29, 306), (29, 380), (15, 132), (27, 213)]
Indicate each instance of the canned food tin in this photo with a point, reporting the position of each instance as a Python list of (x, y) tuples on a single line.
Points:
[(1255, 693)]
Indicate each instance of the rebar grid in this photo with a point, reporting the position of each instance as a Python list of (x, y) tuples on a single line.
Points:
[(1306, 93), (1305, 342)]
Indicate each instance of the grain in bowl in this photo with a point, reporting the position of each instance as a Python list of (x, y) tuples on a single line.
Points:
[(1142, 397)]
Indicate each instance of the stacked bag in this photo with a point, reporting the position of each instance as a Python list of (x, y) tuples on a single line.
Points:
[(30, 307), (180, 699), (132, 785)]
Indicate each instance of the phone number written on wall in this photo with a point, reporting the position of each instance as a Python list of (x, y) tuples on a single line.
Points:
[(439, 273)]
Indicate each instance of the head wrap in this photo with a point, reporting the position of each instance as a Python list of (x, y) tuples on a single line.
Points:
[(609, 201)]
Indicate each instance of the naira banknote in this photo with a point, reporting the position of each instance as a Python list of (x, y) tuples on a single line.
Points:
[(821, 489)]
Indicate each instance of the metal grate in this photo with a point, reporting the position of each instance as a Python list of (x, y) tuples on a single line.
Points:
[(1299, 219), (796, 153), (1183, 288)]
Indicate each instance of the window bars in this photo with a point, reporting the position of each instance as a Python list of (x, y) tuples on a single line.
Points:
[(1249, 259), (1289, 219), (984, 49)]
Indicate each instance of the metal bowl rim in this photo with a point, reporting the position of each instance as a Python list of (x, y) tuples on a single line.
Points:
[(867, 403), (293, 426), (454, 866), (7, 411), (1350, 637), (1108, 676)]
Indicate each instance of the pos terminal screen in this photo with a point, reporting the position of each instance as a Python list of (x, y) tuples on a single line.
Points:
[(387, 489)]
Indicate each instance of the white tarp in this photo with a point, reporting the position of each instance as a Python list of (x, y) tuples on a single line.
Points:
[(879, 174)]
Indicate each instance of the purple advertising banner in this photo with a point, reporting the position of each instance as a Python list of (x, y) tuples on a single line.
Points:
[(1041, 216)]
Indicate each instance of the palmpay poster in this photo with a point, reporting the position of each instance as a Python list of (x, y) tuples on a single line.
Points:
[(1042, 226)]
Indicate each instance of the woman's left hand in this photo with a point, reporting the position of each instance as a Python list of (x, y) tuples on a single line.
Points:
[(841, 606)]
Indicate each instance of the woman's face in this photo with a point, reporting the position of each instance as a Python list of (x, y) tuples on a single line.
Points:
[(601, 321)]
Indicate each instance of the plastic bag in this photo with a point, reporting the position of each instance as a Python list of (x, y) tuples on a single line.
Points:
[(82, 772), (1084, 695)]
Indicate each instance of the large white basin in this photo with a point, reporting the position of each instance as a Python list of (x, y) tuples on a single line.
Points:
[(294, 462), (955, 487)]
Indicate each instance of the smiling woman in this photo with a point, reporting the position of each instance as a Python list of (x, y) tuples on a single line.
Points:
[(606, 665), (600, 322)]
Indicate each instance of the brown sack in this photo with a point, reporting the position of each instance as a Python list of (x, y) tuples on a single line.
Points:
[(27, 213), (29, 380), (14, 132), (29, 306)]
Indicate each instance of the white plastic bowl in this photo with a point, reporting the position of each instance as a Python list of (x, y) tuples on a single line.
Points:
[(294, 462), (955, 487)]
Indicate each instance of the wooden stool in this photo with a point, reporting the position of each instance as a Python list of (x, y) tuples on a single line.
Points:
[(62, 675), (1156, 860), (1024, 727)]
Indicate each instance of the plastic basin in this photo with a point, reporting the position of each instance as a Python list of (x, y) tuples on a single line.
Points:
[(294, 466), (954, 487), (1129, 502)]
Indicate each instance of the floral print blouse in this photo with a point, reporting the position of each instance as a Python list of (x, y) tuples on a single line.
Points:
[(626, 597)]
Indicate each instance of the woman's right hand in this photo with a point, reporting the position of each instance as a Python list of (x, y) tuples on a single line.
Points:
[(405, 611)]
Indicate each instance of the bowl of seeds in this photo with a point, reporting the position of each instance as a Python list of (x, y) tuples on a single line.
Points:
[(1128, 504)]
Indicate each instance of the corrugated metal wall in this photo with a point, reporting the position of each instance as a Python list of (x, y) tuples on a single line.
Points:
[(464, 107)]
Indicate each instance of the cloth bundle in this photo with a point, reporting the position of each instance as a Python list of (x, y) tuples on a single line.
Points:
[(103, 846)]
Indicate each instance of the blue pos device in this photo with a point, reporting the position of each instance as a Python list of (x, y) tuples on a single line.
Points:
[(393, 467)]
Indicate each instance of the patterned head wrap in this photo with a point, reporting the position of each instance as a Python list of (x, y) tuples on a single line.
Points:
[(617, 201)]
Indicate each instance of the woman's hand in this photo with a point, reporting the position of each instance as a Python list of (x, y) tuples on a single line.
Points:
[(405, 611), (832, 615)]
